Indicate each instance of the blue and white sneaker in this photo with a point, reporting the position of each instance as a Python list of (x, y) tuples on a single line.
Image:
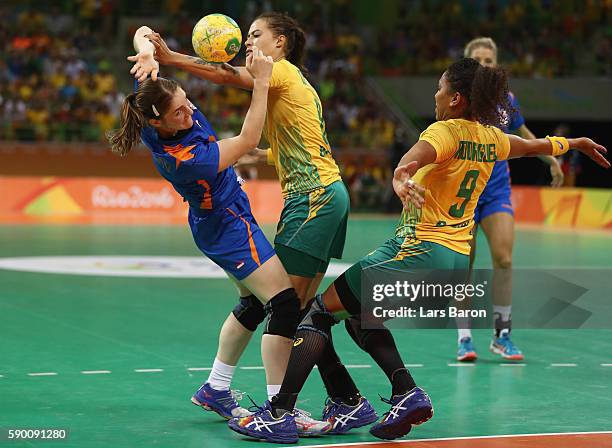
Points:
[(466, 351), (223, 402), (343, 417), (412, 408), (263, 425), (504, 347)]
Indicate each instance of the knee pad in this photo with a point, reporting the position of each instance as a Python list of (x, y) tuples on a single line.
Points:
[(283, 312), (249, 312), (317, 318)]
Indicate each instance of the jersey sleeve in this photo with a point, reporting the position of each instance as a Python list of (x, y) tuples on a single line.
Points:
[(200, 162), (516, 119), (503, 145), (440, 135), (278, 80)]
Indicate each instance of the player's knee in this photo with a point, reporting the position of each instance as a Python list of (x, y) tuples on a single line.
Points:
[(502, 261), (283, 312), (317, 318), (249, 312)]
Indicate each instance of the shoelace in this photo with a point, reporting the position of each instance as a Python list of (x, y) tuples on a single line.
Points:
[(254, 407), (388, 401)]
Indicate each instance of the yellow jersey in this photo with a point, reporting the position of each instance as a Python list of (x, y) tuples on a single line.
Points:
[(295, 130), (465, 154)]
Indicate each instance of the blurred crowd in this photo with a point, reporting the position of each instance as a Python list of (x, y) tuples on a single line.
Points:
[(61, 79)]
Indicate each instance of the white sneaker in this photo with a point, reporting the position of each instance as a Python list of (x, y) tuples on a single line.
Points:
[(308, 426)]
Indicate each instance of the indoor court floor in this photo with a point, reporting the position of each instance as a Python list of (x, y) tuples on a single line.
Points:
[(114, 355)]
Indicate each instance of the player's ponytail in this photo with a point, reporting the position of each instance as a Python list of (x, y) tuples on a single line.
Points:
[(150, 101), (295, 37), (484, 88), (131, 123)]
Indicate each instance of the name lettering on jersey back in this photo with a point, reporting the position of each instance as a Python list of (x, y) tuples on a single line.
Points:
[(477, 152)]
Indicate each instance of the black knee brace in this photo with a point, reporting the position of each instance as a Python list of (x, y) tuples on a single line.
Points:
[(317, 318), (283, 313), (249, 312)]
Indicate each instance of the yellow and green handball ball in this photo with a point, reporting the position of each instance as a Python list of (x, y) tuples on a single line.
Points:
[(216, 38)]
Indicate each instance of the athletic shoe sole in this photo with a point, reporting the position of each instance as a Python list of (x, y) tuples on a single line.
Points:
[(240, 430), (468, 357), (208, 408), (401, 427)]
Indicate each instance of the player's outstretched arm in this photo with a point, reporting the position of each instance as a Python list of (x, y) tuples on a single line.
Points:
[(556, 173), (231, 149), (217, 73), (556, 146)]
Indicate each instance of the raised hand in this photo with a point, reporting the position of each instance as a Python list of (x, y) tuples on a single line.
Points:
[(163, 54), (258, 65), (144, 65)]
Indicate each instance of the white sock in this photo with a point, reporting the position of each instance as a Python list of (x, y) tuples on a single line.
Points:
[(273, 389), (504, 311), (464, 333), (221, 375)]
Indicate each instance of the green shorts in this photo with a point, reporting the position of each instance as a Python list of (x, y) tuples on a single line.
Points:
[(399, 254), (312, 230)]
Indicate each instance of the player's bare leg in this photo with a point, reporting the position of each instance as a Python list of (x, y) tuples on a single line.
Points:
[(499, 229)]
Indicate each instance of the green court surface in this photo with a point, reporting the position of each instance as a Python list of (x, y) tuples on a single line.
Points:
[(144, 342)]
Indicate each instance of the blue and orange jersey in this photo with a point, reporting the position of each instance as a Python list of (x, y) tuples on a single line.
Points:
[(190, 162)]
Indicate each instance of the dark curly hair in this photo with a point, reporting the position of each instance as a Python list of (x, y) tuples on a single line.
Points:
[(486, 90)]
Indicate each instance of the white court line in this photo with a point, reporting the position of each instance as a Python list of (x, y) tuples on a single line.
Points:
[(414, 365), (501, 436), (43, 374), (148, 370), (252, 368), (606, 365), (568, 364), (94, 372), (462, 364), (358, 366), (198, 369), (512, 364)]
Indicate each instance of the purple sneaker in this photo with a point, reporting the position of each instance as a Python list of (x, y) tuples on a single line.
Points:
[(412, 408), (343, 417), (263, 425), (223, 402)]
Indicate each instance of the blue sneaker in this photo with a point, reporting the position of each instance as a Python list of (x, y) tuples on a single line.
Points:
[(223, 402), (412, 408), (504, 347), (263, 425), (466, 351), (343, 417)]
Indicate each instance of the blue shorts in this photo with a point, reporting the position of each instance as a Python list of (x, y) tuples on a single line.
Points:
[(496, 197), (232, 238)]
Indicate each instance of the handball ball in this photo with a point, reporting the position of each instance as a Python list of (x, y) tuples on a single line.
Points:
[(216, 38)]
